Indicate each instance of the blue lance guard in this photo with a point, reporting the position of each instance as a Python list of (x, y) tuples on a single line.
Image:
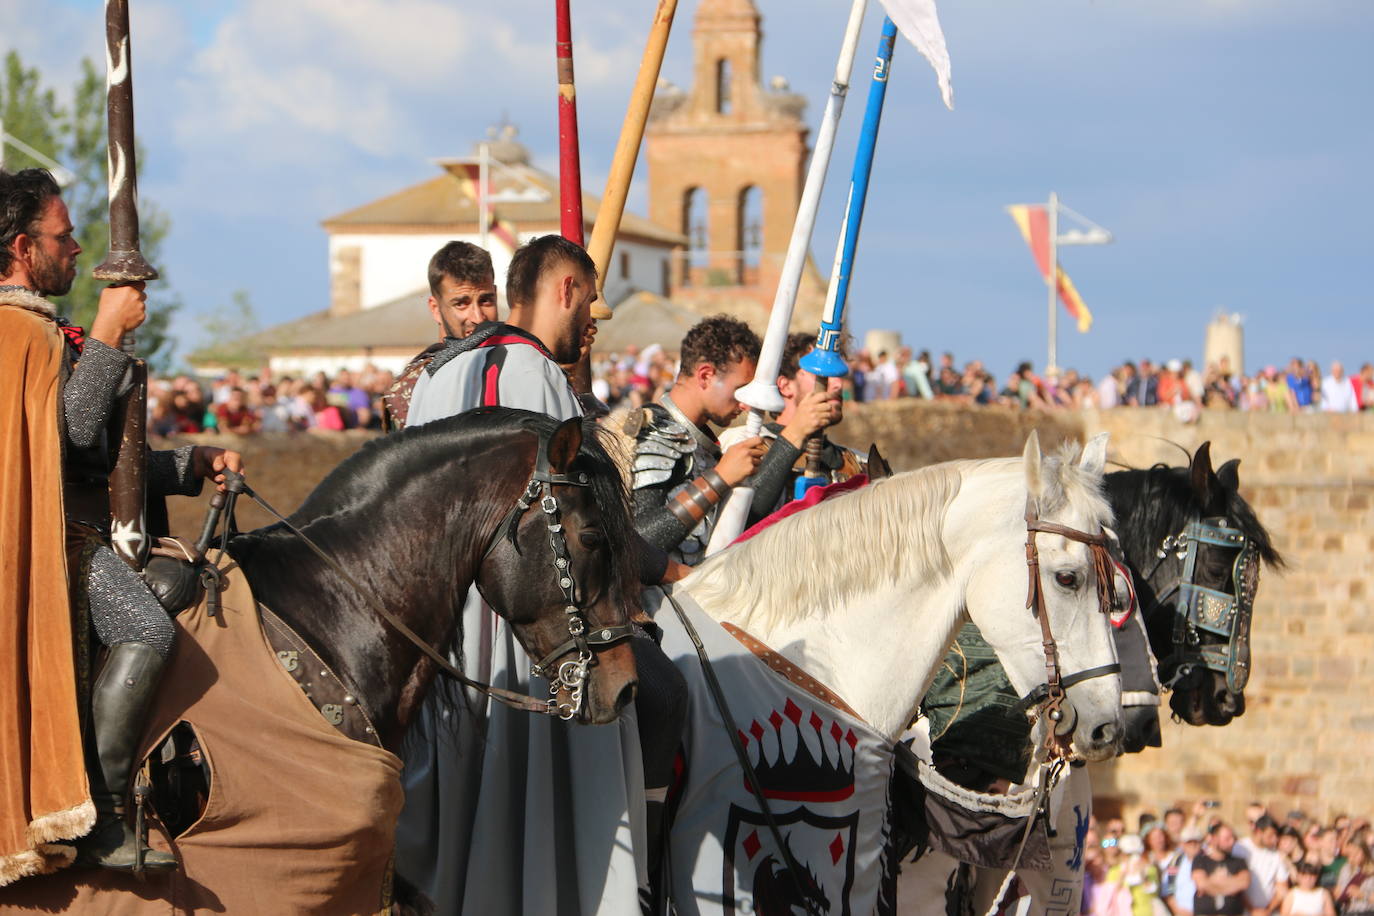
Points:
[(824, 360)]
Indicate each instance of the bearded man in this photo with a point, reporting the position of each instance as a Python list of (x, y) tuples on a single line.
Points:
[(58, 390), (475, 771)]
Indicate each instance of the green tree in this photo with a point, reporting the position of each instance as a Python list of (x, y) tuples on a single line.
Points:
[(232, 334), (75, 137)]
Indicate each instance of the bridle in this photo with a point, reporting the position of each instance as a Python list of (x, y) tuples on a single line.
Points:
[(573, 673), (1049, 696), (1199, 608)]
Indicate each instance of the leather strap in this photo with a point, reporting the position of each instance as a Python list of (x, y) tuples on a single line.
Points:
[(1055, 686), (508, 697), (325, 690)]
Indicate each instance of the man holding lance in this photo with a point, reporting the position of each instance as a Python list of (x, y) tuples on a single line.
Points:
[(473, 773), (680, 473), (59, 391), (796, 385)]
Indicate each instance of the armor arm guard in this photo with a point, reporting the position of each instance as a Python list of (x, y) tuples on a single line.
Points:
[(664, 519), (89, 395), (774, 473), (172, 472)]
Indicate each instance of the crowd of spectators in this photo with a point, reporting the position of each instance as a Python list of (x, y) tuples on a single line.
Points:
[(246, 405), (1175, 384), (1187, 863), (235, 403)]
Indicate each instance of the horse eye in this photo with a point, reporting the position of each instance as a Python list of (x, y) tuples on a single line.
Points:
[(591, 539), (1066, 579)]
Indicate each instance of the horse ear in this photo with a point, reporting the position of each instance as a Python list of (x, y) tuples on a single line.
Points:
[(564, 445), (1229, 475), (1201, 474), (1035, 483), (1094, 457), (878, 468)]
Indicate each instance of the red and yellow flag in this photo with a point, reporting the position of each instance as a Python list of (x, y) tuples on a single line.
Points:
[(1034, 223)]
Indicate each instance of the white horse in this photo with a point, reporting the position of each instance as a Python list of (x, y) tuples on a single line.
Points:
[(855, 602)]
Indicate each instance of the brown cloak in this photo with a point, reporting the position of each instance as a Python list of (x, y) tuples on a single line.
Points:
[(43, 792)]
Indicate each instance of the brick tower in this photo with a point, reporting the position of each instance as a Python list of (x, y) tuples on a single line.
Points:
[(727, 161)]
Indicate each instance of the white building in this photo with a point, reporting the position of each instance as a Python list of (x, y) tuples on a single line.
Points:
[(379, 254)]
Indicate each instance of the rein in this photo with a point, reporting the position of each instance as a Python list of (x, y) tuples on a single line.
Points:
[(1050, 695)]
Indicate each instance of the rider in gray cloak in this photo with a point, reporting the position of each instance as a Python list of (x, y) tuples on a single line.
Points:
[(508, 812)]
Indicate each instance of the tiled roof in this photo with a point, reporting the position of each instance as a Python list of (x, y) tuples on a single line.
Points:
[(448, 200)]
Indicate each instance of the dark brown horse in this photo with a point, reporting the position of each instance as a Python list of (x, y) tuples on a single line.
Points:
[(414, 517), (530, 510)]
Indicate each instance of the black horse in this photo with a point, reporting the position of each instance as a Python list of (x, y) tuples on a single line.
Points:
[(419, 516), (1154, 510)]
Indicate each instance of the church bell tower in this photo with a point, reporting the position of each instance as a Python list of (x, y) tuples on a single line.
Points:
[(727, 161)]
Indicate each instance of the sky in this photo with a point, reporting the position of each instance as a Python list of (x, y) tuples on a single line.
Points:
[(1227, 144)]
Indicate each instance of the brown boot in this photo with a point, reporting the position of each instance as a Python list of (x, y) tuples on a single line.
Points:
[(119, 704)]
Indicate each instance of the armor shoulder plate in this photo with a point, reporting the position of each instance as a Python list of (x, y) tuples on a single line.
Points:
[(663, 448)]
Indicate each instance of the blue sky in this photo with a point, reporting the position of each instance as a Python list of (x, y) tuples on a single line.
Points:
[(1227, 144)]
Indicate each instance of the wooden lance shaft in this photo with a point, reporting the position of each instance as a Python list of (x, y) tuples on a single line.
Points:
[(569, 159), (125, 264), (627, 148)]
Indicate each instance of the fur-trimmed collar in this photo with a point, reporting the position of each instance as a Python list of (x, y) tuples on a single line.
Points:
[(25, 299)]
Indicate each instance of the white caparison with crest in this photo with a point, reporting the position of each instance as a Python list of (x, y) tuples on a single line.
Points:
[(867, 590)]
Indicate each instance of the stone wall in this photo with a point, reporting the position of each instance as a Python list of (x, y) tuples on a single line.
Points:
[(1307, 738)]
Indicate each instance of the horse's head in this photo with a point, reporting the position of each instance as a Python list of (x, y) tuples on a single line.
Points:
[(1050, 543), (1204, 582), (560, 569)]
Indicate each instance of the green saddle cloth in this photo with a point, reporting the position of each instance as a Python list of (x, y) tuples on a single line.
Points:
[(977, 733)]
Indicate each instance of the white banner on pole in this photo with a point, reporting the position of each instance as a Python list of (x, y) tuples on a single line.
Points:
[(918, 21)]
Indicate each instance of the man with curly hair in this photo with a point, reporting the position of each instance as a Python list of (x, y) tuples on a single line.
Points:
[(681, 474)]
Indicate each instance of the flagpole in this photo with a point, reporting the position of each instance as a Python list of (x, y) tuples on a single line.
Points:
[(1052, 279), (483, 170), (569, 159), (762, 393)]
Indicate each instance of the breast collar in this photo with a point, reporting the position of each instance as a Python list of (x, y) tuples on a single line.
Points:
[(702, 438)]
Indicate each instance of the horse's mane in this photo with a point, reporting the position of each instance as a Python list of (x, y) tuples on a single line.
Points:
[(819, 558), (777, 573), (365, 485), (1163, 502)]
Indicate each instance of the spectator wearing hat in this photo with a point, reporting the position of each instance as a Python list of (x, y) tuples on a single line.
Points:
[(1177, 882), (1133, 881), (1221, 879)]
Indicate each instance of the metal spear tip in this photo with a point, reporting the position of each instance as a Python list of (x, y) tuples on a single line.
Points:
[(125, 267), (761, 395)]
